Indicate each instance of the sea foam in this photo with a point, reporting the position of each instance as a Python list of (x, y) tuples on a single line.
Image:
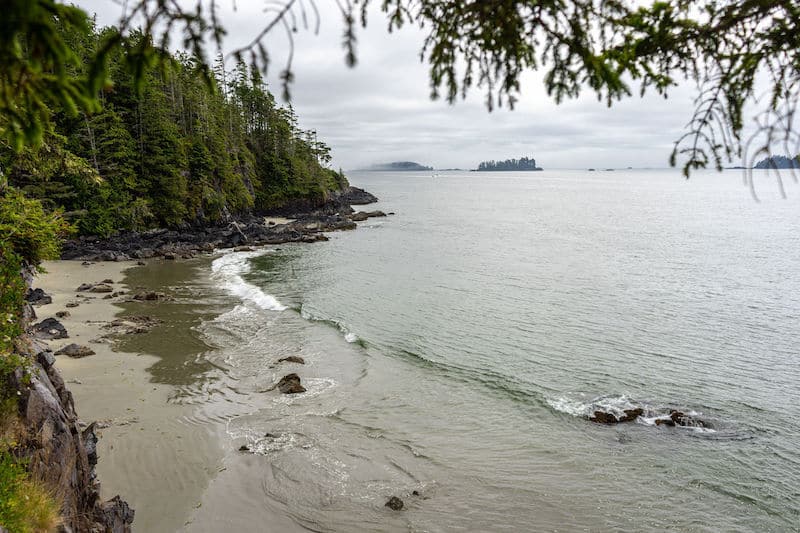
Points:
[(228, 270)]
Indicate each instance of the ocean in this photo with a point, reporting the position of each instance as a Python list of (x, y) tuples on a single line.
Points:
[(456, 348)]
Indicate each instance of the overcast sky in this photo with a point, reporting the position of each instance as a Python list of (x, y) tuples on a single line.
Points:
[(381, 111)]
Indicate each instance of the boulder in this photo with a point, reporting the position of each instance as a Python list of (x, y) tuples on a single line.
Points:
[(292, 359), (678, 418), (38, 297), (290, 384), (84, 287), (49, 328), (364, 215), (75, 350), (394, 503), (109, 281), (71, 304), (608, 418), (102, 287), (62, 314)]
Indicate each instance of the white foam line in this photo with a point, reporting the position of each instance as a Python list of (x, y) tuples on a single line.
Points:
[(228, 270)]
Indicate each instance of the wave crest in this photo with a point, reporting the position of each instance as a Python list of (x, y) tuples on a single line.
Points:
[(228, 271)]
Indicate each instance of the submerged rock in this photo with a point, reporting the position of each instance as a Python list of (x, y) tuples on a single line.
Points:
[(609, 418), (293, 359), (49, 328), (62, 314), (75, 350), (290, 384), (678, 418), (394, 503), (149, 296), (364, 215)]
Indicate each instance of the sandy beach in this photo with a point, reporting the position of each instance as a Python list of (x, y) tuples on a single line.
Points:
[(148, 452)]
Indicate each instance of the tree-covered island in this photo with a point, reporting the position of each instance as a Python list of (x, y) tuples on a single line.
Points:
[(522, 164)]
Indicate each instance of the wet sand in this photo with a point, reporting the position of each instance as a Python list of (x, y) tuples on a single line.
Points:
[(151, 452)]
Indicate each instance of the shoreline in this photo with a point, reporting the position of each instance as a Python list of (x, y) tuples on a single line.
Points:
[(147, 452)]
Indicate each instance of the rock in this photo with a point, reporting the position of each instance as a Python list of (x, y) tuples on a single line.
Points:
[(49, 328), (38, 297), (630, 415), (415, 493), (244, 448), (102, 287), (72, 304), (678, 418), (604, 418), (394, 503), (290, 384), (149, 296), (115, 515), (84, 287), (355, 196), (364, 215), (170, 257), (62, 314), (293, 359), (75, 350), (244, 249), (109, 281), (141, 263), (46, 359)]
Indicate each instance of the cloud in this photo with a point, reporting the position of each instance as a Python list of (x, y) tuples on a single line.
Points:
[(381, 110)]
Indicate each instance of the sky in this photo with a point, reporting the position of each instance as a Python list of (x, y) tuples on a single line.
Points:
[(381, 110)]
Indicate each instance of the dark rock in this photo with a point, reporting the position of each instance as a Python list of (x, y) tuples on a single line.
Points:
[(394, 503), (293, 359), (681, 419), (630, 415), (665, 422), (49, 328), (244, 448), (62, 314), (46, 359), (102, 287), (355, 196), (604, 418), (84, 287), (141, 263), (115, 515), (170, 256), (109, 281), (149, 296), (38, 297), (290, 384), (75, 350), (270, 436), (364, 215), (72, 304), (415, 493), (244, 249)]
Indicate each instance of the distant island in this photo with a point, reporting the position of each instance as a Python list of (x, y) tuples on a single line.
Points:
[(399, 166), (779, 161), (524, 163)]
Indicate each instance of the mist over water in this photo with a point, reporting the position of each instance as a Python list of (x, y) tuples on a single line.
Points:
[(457, 347)]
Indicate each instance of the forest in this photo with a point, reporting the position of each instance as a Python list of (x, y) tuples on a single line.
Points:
[(178, 144), (523, 163)]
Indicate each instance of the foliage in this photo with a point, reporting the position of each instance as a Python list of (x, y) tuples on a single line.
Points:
[(27, 231), (171, 146), (12, 292), (26, 506), (610, 48)]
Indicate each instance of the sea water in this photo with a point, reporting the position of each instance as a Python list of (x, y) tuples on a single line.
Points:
[(456, 350)]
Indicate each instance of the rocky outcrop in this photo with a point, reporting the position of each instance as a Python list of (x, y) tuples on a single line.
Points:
[(364, 215), (312, 218), (57, 449), (629, 415)]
